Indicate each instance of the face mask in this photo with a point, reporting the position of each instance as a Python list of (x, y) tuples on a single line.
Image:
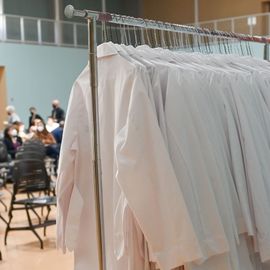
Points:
[(40, 128), (14, 133)]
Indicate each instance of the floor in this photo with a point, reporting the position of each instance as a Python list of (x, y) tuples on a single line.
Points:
[(23, 252)]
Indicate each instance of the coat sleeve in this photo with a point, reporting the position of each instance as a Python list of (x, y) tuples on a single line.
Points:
[(69, 199), (146, 176)]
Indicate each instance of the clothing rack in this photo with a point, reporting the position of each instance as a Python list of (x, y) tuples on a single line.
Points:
[(95, 16)]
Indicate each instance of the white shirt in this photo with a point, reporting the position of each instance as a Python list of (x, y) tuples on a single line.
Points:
[(130, 161)]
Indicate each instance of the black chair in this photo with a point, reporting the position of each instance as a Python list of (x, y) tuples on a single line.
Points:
[(1, 195), (30, 155), (32, 148), (38, 146), (30, 177), (1, 218), (39, 155)]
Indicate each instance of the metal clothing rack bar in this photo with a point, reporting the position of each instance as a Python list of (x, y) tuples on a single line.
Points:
[(159, 25), (93, 17)]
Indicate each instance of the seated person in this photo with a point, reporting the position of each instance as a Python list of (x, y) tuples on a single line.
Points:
[(33, 116), (46, 138), (58, 132), (19, 126), (51, 125), (12, 140)]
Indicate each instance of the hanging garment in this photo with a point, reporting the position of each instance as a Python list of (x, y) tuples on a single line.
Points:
[(184, 143), (130, 160)]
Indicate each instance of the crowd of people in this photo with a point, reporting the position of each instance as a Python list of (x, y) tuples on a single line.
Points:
[(49, 132)]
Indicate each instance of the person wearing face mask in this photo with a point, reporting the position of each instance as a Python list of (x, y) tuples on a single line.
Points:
[(43, 134), (33, 116), (12, 115), (58, 113), (19, 126), (12, 140), (46, 138)]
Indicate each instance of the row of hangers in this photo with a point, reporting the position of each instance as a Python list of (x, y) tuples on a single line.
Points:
[(174, 40)]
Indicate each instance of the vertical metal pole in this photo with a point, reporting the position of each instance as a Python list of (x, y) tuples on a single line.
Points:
[(4, 21), (232, 25), (103, 6), (268, 25), (96, 143), (196, 12), (103, 24), (22, 29), (75, 34), (57, 23), (266, 52), (251, 29), (39, 31)]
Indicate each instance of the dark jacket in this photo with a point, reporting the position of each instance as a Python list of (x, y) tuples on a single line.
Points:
[(58, 134), (58, 114), (11, 147)]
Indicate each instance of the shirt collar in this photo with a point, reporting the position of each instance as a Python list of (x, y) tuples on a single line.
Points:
[(106, 49)]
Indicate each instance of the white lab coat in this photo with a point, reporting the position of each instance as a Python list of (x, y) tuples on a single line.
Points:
[(136, 173)]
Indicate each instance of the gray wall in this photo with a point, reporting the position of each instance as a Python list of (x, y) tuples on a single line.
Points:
[(38, 74)]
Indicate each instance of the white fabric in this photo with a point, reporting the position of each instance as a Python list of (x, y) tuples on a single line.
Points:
[(130, 156), (185, 146)]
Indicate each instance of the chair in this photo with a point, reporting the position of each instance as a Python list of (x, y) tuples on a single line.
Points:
[(30, 177), (39, 155), (38, 146), (32, 148), (1, 218), (24, 154)]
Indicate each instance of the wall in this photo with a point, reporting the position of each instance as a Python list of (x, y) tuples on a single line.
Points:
[(169, 10), (213, 9), (183, 11), (38, 74)]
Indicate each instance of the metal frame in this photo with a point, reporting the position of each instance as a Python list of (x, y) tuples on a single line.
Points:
[(93, 17), (96, 142), (159, 25)]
